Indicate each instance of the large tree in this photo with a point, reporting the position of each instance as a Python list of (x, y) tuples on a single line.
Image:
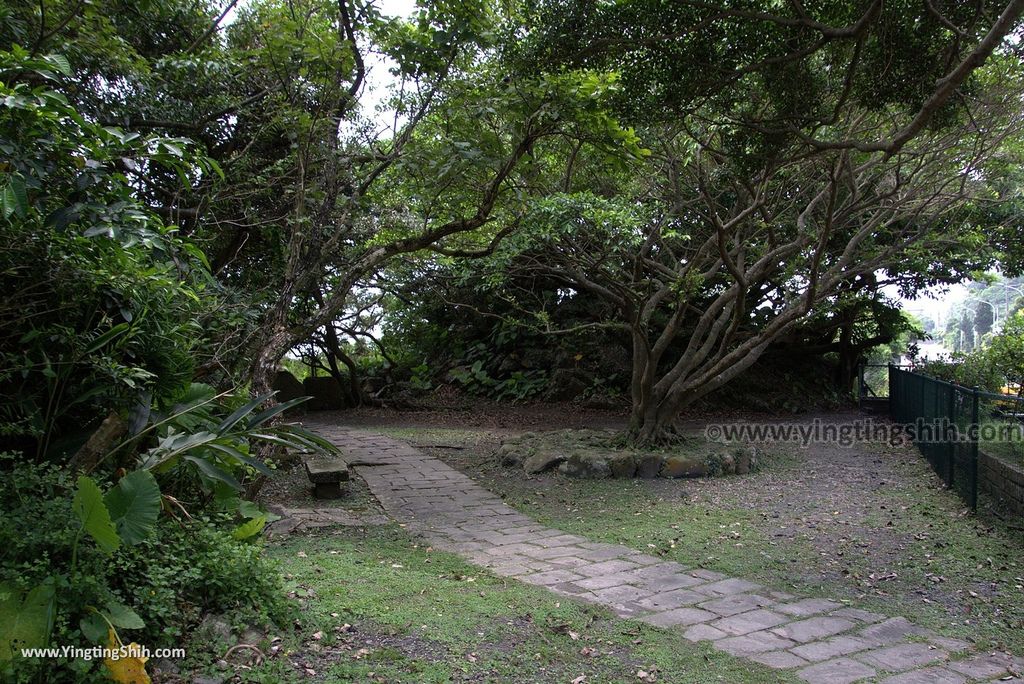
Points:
[(792, 155), (327, 173)]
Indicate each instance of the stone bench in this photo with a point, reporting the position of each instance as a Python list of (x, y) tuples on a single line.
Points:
[(327, 477)]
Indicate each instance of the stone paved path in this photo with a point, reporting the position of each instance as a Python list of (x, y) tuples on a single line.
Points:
[(822, 641)]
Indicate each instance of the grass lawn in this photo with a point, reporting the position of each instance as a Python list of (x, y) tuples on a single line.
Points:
[(376, 606)]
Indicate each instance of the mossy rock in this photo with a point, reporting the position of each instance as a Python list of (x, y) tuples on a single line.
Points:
[(686, 465), (623, 465), (586, 465), (542, 460), (648, 466), (748, 459), (509, 454), (721, 463)]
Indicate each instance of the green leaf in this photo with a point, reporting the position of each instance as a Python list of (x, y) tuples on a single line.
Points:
[(235, 453), (8, 202), (214, 472), (134, 505), (276, 409), (123, 616), (94, 628), (90, 509), (60, 63), (107, 337), (240, 413), (250, 528), (28, 623)]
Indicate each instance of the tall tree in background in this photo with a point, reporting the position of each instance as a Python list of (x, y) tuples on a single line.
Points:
[(793, 153), (323, 180)]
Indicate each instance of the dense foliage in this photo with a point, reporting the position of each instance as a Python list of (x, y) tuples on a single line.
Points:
[(108, 445)]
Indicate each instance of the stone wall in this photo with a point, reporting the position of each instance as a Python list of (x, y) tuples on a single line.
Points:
[(1002, 482)]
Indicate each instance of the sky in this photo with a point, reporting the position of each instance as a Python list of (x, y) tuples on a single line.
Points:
[(936, 302)]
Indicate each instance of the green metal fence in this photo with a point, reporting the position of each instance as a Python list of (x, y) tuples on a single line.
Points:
[(955, 426), (942, 419)]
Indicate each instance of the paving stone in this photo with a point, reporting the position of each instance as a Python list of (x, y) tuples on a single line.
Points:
[(779, 660), (891, 631), (605, 581), (979, 666), (568, 588), (708, 575), (550, 577), (552, 551), (703, 632), (813, 629), (629, 610), (559, 540), (609, 567), (739, 603), (902, 657), (929, 675), (731, 585), (752, 621), (831, 648), (669, 582), (755, 642), (807, 607), (839, 671), (858, 615), (512, 550), (671, 599), (948, 643), (510, 569), (679, 616), (621, 594), (568, 561), (603, 546), (666, 569)]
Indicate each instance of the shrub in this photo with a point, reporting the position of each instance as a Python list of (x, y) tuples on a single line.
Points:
[(184, 569)]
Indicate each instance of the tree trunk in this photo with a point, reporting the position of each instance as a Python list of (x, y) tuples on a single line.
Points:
[(266, 360)]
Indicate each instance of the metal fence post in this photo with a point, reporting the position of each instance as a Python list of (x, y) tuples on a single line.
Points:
[(976, 428), (860, 386), (949, 435), (894, 399)]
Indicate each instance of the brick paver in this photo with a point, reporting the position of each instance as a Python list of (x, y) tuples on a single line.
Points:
[(822, 641)]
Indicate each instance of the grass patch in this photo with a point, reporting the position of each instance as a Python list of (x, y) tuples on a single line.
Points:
[(423, 616)]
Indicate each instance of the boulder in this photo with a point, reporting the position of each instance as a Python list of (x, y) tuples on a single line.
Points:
[(684, 466), (622, 465), (509, 454), (746, 459), (721, 463), (585, 465), (649, 466), (542, 460), (565, 384), (288, 387), (215, 628), (326, 393)]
